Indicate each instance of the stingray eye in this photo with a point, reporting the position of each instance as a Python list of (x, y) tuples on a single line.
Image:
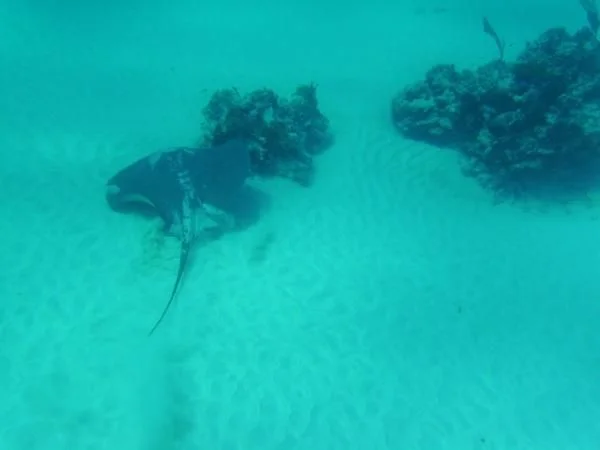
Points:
[(112, 189)]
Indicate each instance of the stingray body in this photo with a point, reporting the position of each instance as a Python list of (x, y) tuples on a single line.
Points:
[(189, 188)]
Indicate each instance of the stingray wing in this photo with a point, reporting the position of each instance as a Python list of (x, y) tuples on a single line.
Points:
[(219, 172), (149, 181), (217, 175)]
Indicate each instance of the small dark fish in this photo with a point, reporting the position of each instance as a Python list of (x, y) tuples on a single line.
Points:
[(500, 44), (260, 250)]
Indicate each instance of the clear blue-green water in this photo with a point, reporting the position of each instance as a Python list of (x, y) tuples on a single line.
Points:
[(392, 305)]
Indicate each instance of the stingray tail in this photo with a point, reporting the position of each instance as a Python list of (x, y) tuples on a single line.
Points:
[(183, 257)]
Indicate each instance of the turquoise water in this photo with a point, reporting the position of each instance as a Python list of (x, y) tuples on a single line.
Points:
[(391, 305)]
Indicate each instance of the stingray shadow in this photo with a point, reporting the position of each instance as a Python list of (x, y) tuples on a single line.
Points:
[(247, 207)]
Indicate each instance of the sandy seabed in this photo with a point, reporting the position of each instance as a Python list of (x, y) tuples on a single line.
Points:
[(390, 306)]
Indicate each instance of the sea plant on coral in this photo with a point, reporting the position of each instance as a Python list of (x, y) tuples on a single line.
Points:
[(525, 127), (284, 134)]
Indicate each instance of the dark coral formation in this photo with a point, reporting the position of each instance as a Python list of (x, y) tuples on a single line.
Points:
[(525, 127), (284, 134)]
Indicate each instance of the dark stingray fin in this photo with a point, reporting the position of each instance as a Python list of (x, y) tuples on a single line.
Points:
[(183, 257)]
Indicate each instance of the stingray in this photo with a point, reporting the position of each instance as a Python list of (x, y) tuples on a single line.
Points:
[(188, 188)]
